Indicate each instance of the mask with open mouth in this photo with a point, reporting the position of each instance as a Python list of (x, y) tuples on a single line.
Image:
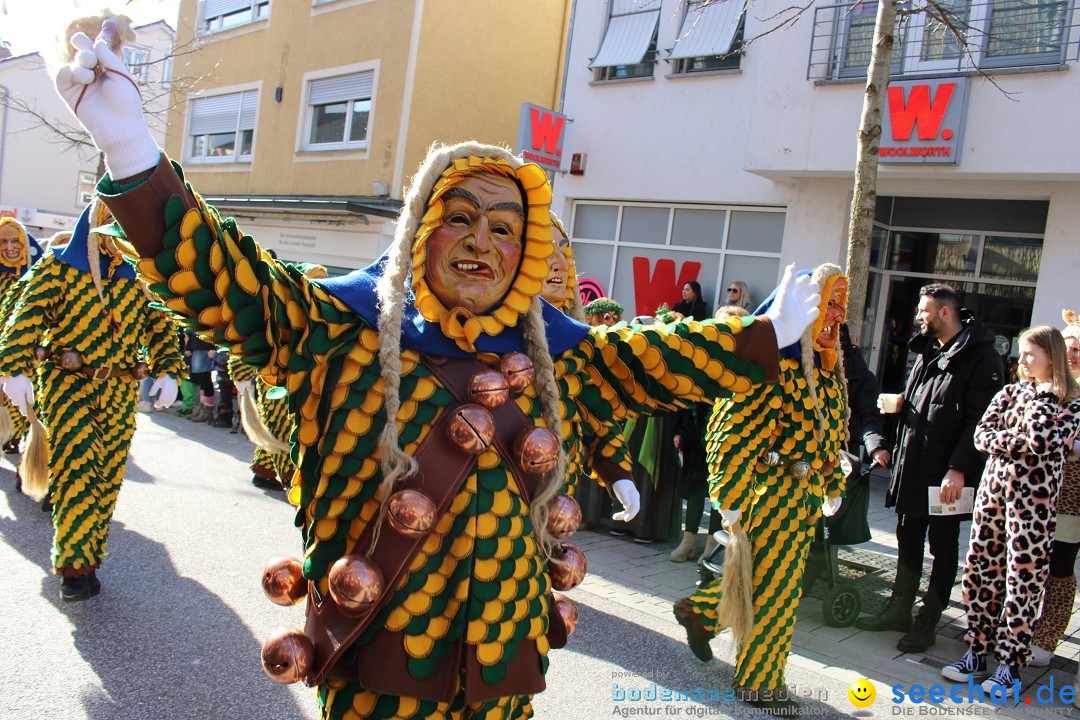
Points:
[(14, 242), (480, 254), (833, 314)]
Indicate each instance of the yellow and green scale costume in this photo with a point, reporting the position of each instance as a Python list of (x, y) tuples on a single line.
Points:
[(9, 276), (779, 511), (475, 597), (273, 404), (90, 421)]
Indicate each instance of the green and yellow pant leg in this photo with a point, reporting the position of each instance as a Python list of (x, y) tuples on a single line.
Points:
[(344, 700), (780, 528), (91, 423)]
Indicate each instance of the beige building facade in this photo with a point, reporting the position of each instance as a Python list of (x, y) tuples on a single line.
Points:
[(309, 117)]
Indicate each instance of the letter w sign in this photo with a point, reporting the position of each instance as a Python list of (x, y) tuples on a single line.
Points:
[(541, 133), (924, 121)]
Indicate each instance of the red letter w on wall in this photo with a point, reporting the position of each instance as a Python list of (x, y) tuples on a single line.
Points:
[(547, 129), (650, 292), (918, 110)]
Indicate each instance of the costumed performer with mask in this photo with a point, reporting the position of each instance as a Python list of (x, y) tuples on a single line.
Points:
[(84, 322), (774, 465), (426, 538), (18, 251)]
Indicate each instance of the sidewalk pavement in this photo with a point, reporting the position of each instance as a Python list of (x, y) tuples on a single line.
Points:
[(644, 580)]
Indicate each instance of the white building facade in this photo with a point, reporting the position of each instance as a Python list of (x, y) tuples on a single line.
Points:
[(46, 181), (689, 165)]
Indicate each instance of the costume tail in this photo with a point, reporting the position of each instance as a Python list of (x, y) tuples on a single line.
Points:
[(256, 429), (34, 468), (7, 427), (736, 606)]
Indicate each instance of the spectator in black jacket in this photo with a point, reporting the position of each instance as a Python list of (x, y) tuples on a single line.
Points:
[(956, 374), (864, 424)]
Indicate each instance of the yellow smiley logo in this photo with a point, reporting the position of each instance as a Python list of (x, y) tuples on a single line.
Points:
[(861, 693)]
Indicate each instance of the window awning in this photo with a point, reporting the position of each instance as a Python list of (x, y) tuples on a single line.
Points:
[(627, 39), (709, 29)]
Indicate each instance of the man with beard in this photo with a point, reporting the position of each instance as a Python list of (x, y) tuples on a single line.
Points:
[(956, 375)]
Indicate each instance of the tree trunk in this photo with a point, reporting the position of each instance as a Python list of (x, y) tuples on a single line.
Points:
[(864, 197)]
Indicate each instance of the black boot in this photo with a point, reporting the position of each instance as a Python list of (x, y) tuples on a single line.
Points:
[(46, 503), (923, 630), (896, 615), (75, 589), (95, 584)]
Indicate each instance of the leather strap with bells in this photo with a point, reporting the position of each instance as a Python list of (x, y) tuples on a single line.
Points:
[(443, 469)]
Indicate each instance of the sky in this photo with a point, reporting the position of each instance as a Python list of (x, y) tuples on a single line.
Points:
[(23, 22)]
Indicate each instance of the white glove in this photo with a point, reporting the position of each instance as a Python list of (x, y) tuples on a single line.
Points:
[(20, 391), (794, 308), (110, 107), (731, 517), (243, 387), (627, 494), (831, 506), (166, 385)]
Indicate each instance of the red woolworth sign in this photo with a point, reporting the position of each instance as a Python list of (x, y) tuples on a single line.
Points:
[(541, 133), (651, 290), (924, 121)]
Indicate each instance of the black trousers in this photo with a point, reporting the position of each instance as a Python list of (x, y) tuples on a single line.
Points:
[(911, 535)]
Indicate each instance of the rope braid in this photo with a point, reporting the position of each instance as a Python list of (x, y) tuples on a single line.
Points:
[(536, 346)]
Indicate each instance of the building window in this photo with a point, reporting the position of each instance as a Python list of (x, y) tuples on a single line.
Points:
[(87, 183), (999, 34), (136, 60), (339, 109), (629, 46), (218, 15), (222, 128), (710, 38)]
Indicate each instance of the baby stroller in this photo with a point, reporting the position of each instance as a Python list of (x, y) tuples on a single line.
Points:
[(848, 526)]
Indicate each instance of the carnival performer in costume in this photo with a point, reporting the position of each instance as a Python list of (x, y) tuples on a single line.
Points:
[(774, 466), (264, 409), (18, 251), (592, 436), (426, 538), (83, 321)]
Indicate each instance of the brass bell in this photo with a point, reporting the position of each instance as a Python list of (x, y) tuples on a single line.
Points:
[(287, 655), (536, 450), (567, 609), (283, 581), (356, 584), (411, 512), (71, 360), (489, 388), (141, 371), (40, 353), (567, 567), (564, 516), (519, 371), (472, 429)]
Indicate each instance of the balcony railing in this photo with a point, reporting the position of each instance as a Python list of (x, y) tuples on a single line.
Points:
[(972, 36)]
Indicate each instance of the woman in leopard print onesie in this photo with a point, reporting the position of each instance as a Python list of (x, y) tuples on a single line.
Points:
[(1061, 583), (1027, 432)]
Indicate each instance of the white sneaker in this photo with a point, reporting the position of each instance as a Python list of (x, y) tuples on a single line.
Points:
[(144, 407), (970, 666), (1040, 657), (1004, 679)]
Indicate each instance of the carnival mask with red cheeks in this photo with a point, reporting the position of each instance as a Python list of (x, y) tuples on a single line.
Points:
[(557, 285), (11, 245), (834, 298), (474, 254)]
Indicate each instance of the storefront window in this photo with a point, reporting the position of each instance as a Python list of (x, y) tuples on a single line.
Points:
[(1012, 258), (937, 253)]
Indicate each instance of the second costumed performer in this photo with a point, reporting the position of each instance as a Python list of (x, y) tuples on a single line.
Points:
[(85, 323), (423, 389), (18, 251), (774, 466)]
